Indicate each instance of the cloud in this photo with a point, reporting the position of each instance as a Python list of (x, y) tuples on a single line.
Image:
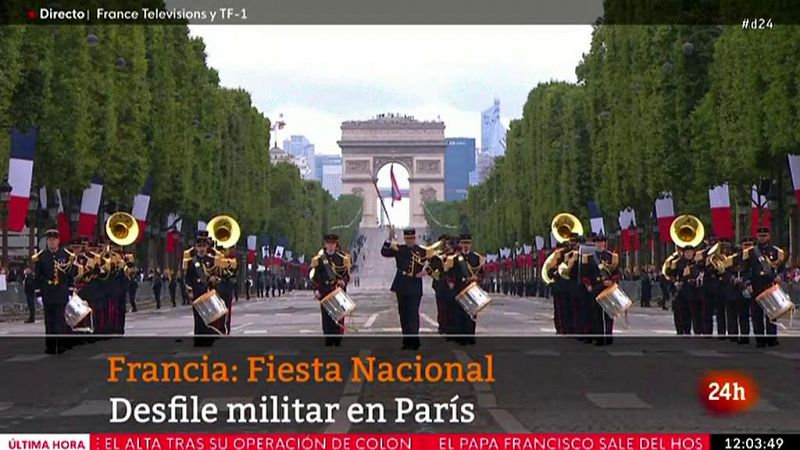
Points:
[(319, 76)]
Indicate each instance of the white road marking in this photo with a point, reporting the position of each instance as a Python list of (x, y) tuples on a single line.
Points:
[(90, 408), (255, 331), (507, 421), (625, 353), (191, 354), (371, 320), (547, 329), (764, 405), (350, 395), (665, 332), (617, 400), (107, 355), (707, 353), (241, 326), (786, 355), (28, 358), (5, 405), (542, 353), (429, 320)]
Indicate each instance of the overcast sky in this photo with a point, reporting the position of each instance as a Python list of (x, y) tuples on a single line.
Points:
[(319, 76)]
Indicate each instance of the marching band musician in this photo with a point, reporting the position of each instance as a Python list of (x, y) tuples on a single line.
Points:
[(198, 265), (686, 272), (765, 264), (54, 280), (330, 269), (561, 308), (86, 285), (573, 297), (226, 267), (739, 323), (463, 268), (599, 270), (720, 291), (435, 270), (410, 260), (711, 302)]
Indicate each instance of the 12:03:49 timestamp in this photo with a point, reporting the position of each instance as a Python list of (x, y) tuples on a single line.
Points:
[(753, 443)]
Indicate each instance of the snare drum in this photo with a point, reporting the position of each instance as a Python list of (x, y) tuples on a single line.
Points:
[(614, 301), (473, 299), (775, 302), (337, 304), (78, 315), (210, 307)]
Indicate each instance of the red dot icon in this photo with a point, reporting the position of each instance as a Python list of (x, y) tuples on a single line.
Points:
[(31, 14)]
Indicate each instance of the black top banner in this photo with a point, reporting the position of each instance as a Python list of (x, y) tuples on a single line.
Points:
[(763, 14)]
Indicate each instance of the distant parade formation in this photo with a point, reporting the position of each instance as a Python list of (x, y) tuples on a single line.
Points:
[(84, 287)]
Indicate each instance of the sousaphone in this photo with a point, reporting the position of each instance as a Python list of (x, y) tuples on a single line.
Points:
[(122, 229), (687, 230), (224, 230)]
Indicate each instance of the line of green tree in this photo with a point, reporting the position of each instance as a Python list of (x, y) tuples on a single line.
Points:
[(129, 101), (656, 108)]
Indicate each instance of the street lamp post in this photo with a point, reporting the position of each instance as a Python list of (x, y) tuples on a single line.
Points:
[(33, 210), (5, 195)]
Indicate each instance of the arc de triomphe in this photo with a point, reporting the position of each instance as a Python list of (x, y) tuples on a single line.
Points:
[(368, 145)]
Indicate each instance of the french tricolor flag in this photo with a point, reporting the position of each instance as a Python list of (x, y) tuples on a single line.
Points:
[(596, 218), (141, 203), (760, 215), (794, 169), (629, 235), (251, 248), (20, 176), (174, 223), (665, 214), (62, 221), (90, 207), (721, 215)]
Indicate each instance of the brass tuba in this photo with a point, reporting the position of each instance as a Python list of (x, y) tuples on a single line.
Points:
[(122, 229), (563, 225), (224, 230), (687, 230)]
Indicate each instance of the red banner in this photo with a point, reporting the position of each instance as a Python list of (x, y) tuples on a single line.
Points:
[(312, 441)]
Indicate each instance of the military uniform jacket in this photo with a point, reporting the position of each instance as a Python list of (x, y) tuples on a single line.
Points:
[(762, 264), (54, 274), (197, 271), (460, 267), (437, 273), (327, 269), (599, 267), (688, 272), (409, 262)]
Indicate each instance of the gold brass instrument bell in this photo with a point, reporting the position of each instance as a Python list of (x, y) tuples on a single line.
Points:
[(122, 229), (687, 230), (563, 225), (224, 230)]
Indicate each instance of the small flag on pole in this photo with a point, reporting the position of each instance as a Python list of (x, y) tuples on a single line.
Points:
[(395, 187)]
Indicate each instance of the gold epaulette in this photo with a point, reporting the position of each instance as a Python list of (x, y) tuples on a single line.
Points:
[(448, 262), (315, 260), (614, 259), (700, 256), (35, 256), (481, 259), (346, 260), (781, 255)]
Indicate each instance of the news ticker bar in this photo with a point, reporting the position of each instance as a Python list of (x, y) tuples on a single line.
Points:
[(314, 441), (424, 12)]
